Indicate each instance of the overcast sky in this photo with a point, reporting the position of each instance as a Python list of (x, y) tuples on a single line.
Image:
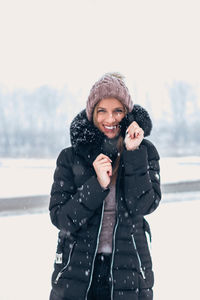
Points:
[(74, 42)]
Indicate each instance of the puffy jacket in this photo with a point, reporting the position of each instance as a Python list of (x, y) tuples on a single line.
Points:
[(76, 209)]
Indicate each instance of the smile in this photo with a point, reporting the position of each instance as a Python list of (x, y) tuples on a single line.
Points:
[(110, 127)]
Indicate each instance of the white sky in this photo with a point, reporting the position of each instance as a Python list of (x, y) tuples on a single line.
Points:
[(74, 42)]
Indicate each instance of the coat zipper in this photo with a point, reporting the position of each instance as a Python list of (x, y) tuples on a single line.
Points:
[(138, 257), (102, 211), (115, 230), (63, 269), (112, 260)]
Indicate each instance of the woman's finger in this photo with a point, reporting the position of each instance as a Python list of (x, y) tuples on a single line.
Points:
[(102, 156), (135, 132), (102, 161), (105, 165), (110, 173), (132, 125)]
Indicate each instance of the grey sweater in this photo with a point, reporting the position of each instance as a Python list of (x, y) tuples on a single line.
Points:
[(108, 223)]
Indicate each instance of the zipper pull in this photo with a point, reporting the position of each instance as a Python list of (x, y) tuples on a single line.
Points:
[(57, 277), (69, 258), (142, 272)]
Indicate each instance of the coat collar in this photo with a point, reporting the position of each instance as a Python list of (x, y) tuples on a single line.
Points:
[(87, 138), (83, 132)]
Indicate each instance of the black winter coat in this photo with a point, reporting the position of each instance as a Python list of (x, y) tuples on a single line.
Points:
[(76, 209)]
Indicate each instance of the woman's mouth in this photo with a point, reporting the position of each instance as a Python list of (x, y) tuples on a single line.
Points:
[(110, 127), (110, 130)]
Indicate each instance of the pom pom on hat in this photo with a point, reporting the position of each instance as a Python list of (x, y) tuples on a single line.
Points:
[(111, 85)]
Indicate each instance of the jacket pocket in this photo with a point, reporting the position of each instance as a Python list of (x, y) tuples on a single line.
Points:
[(138, 257), (71, 246)]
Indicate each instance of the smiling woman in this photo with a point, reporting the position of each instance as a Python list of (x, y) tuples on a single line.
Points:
[(104, 185), (108, 113)]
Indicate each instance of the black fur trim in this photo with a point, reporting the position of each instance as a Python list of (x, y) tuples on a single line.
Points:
[(83, 132), (139, 115)]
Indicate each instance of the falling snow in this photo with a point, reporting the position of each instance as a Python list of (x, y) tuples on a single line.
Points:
[(61, 183), (165, 234)]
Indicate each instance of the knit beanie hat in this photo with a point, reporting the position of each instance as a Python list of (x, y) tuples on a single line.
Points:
[(111, 85)]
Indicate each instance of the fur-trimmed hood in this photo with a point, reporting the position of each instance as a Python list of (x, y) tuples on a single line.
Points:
[(83, 132)]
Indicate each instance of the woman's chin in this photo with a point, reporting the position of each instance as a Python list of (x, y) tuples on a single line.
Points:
[(111, 135)]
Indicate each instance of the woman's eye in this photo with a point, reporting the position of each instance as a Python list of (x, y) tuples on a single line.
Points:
[(119, 111), (100, 110)]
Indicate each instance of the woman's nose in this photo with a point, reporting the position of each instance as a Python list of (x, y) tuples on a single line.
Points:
[(110, 118)]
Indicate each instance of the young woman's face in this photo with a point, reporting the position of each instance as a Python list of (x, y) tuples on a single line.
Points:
[(107, 116)]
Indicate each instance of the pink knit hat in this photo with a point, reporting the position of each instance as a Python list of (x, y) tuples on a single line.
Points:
[(109, 86)]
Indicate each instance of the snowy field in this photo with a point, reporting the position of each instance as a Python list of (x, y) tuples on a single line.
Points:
[(23, 177), (29, 241)]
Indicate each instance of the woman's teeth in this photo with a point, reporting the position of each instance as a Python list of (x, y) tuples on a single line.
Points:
[(110, 127)]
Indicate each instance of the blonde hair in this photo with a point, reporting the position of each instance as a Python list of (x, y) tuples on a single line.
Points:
[(119, 145), (116, 163), (95, 116)]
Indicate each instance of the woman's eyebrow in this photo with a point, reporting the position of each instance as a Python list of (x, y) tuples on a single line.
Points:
[(120, 107)]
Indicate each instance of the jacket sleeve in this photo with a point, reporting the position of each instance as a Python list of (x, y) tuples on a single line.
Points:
[(71, 207), (142, 179)]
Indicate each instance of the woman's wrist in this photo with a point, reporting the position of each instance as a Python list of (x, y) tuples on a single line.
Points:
[(131, 148), (103, 185)]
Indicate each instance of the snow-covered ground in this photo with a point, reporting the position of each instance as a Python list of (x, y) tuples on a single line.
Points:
[(175, 250), (178, 169), (28, 244), (24, 177)]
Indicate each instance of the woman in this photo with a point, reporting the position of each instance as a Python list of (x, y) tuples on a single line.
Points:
[(103, 186)]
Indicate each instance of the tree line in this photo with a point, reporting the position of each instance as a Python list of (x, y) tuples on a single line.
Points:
[(36, 123)]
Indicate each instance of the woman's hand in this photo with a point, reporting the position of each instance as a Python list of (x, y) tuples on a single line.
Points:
[(134, 136), (103, 169)]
